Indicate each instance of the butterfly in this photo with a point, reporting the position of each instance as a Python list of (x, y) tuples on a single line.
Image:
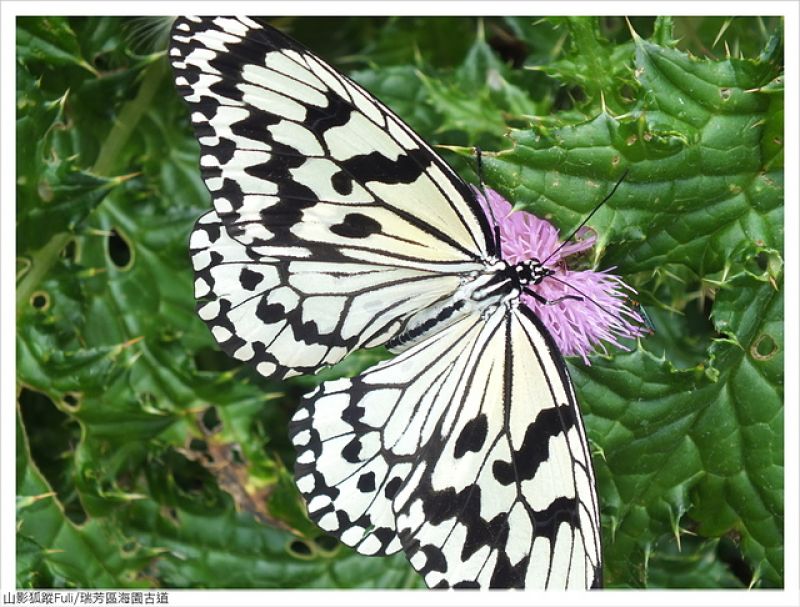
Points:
[(336, 227)]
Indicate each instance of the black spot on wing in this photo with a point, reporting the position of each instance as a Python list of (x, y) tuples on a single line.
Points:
[(249, 279), (385, 536), (226, 87), (270, 313), (434, 559), (336, 112), (506, 575), (366, 482), (342, 183), (374, 166), (535, 448), (255, 126), (351, 451), (392, 487), (356, 225), (561, 510), (216, 259), (223, 150), (472, 436)]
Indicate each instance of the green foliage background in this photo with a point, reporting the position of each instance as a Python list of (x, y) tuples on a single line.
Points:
[(146, 459)]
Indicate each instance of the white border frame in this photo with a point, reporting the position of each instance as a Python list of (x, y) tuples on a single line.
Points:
[(789, 9)]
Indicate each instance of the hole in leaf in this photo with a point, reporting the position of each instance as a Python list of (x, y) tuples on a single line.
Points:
[(210, 359), (40, 300), (210, 420), (70, 250), (71, 400), (102, 62), (191, 478), (327, 543), (119, 251), (146, 398), (762, 260), (763, 348), (299, 549), (568, 97), (730, 553), (238, 457), (52, 436), (129, 547)]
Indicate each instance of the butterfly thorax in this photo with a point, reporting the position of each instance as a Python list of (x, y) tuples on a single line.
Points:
[(500, 283)]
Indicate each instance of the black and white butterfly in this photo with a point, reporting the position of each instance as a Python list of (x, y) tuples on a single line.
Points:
[(335, 227)]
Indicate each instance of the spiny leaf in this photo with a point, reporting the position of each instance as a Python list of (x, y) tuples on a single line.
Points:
[(49, 40), (94, 554)]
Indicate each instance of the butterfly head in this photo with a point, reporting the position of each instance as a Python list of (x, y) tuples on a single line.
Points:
[(531, 272)]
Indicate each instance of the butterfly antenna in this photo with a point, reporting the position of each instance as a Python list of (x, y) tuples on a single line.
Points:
[(495, 223), (588, 217)]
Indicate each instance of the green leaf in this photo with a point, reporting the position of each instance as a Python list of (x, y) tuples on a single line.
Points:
[(695, 563), (54, 549), (698, 181), (706, 442), (53, 193), (594, 64), (49, 40)]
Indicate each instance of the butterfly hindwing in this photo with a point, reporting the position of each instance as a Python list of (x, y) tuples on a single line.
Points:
[(467, 451)]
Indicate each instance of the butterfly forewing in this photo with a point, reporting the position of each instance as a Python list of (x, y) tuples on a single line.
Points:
[(291, 148), (307, 170)]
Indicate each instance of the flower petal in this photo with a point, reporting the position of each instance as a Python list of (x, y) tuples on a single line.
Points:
[(587, 307)]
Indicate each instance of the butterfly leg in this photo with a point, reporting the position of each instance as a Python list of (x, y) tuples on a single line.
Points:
[(550, 302)]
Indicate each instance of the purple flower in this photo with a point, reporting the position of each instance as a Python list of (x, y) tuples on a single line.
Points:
[(579, 326)]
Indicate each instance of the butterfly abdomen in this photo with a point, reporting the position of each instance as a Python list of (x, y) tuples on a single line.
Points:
[(480, 293)]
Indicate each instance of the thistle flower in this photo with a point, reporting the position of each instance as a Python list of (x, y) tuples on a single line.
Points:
[(579, 326)]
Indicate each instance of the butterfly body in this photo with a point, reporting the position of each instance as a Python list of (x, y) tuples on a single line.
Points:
[(478, 292), (335, 227)]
